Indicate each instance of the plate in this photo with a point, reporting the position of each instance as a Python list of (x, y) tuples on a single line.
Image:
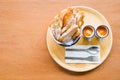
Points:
[(92, 17)]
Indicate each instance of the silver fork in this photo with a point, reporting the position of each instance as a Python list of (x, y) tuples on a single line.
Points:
[(90, 58)]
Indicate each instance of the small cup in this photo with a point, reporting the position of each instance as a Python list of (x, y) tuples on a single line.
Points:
[(88, 32), (102, 32)]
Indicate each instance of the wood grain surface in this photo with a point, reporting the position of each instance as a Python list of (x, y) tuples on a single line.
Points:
[(23, 51)]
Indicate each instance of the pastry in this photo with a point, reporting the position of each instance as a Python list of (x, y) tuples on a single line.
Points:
[(66, 25)]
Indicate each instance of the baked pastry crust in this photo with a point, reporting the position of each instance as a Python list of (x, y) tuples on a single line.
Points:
[(66, 25)]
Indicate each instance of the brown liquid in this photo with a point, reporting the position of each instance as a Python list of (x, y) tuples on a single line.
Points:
[(102, 31), (87, 31)]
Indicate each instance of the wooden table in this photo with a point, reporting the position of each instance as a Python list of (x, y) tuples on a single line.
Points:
[(23, 51)]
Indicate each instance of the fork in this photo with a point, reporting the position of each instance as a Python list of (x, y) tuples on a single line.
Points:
[(90, 58)]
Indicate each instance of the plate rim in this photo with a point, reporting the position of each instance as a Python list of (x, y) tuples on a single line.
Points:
[(67, 67)]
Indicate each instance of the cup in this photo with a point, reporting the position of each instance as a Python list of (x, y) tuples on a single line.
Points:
[(102, 32), (88, 32)]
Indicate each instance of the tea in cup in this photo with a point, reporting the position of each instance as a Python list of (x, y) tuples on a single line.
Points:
[(102, 31), (88, 32)]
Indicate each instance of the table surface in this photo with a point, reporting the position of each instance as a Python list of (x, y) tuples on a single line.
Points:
[(23, 50)]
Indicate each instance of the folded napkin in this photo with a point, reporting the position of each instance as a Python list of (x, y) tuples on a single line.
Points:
[(82, 54)]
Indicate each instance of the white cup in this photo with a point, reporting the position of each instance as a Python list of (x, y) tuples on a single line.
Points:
[(102, 32), (88, 32)]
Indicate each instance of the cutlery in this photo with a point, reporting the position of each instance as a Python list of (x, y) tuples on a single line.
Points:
[(90, 58), (92, 50)]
